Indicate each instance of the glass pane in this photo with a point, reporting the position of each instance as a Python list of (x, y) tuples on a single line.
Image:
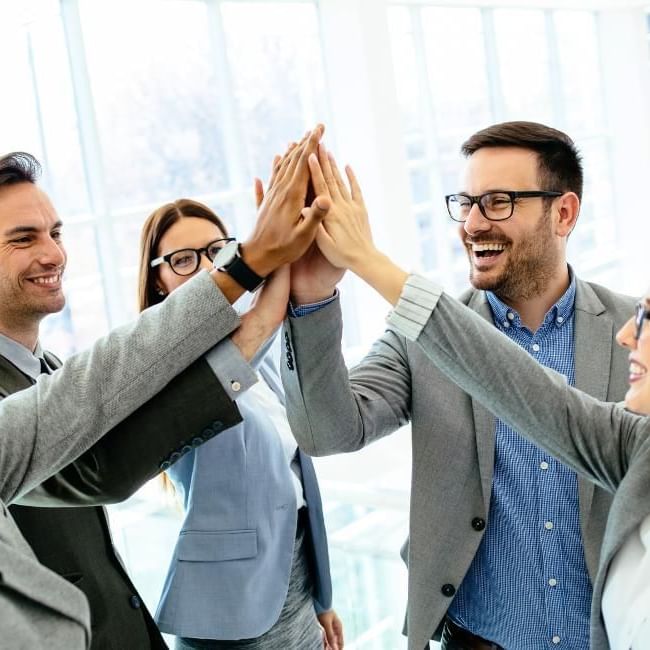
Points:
[(156, 99), (405, 65), (277, 76), (456, 67), (522, 49), (84, 317), (580, 70)]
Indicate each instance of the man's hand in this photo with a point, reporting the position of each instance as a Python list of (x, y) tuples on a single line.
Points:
[(285, 228), (332, 630), (265, 316), (313, 277)]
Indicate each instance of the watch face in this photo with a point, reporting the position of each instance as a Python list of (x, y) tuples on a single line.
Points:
[(226, 255)]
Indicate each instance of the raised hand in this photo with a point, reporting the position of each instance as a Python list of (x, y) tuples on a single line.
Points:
[(344, 236), (285, 228)]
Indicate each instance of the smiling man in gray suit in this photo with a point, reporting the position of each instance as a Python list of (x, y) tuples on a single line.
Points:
[(46, 426), (504, 540)]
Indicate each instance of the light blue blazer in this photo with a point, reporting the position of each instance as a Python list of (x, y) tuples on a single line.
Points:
[(229, 574)]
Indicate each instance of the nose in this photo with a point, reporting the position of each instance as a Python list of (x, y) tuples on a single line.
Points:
[(625, 336), (476, 222), (204, 261), (52, 253)]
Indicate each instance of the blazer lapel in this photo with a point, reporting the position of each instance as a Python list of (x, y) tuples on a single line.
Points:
[(483, 419), (592, 362), (11, 379)]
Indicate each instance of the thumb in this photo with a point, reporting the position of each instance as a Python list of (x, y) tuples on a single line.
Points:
[(318, 210)]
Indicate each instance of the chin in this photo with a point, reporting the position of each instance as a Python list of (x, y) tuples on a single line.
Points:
[(638, 401)]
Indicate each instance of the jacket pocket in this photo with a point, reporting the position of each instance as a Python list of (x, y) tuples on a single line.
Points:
[(216, 546)]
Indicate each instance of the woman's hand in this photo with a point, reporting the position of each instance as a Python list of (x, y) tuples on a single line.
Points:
[(332, 630)]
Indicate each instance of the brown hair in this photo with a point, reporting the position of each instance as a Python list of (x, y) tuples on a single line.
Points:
[(558, 159), (153, 230)]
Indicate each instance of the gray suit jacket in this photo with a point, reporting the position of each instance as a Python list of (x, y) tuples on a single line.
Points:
[(45, 427), (601, 441), (452, 435)]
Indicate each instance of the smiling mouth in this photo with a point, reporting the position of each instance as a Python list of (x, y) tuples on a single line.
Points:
[(637, 371), (47, 280), (486, 250)]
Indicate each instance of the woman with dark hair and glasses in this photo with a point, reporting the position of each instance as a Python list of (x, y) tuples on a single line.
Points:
[(250, 568), (606, 442)]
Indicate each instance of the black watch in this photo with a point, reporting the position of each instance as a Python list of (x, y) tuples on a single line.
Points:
[(229, 260)]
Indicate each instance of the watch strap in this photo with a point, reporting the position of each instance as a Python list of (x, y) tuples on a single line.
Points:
[(242, 274)]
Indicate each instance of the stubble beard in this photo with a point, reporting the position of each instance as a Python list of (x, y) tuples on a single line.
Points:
[(530, 268)]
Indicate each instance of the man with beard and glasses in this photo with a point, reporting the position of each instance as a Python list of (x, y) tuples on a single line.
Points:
[(504, 541)]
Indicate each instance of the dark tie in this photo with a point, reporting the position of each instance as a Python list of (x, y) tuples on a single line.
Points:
[(44, 367)]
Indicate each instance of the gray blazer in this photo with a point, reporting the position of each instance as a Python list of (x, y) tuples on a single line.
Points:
[(601, 441), (47, 426), (451, 483)]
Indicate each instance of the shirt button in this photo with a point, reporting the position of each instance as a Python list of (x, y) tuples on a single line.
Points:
[(543, 465), (236, 386), (548, 525), (552, 582), (511, 316), (560, 320), (535, 347), (134, 601), (448, 590), (556, 639), (506, 324)]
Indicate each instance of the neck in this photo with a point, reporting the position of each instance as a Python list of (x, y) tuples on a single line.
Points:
[(25, 334), (533, 309)]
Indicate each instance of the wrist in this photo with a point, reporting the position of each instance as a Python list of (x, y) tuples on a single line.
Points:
[(257, 260)]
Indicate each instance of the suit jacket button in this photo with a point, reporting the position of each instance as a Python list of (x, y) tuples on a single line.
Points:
[(197, 441), (217, 426), (135, 602), (448, 590), (186, 449), (165, 465), (207, 434), (174, 456), (478, 523)]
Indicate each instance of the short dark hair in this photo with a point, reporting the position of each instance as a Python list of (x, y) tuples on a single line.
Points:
[(559, 161), (19, 167)]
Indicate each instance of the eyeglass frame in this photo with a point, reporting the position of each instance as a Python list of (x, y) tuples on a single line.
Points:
[(512, 194), (198, 251), (641, 314)]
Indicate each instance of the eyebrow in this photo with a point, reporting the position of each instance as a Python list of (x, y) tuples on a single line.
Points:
[(21, 230)]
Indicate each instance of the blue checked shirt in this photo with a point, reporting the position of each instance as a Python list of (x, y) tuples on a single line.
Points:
[(528, 586)]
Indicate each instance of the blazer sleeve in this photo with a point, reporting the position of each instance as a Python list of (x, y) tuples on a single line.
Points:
[(47, 426), (331, 411), (597, 439), (190, 410)]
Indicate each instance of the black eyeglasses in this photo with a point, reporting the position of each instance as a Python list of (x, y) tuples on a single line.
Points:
[(642, 314), (497, 205), (186, 261)]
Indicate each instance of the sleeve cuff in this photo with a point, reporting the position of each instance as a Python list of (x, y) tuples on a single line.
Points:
[(415, 305), (296, 311), (231, 370)]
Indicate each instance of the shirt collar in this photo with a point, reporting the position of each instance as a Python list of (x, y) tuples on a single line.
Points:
[(27, 362), (558, 314)]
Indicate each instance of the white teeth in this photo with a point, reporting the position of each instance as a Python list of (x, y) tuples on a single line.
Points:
[(478, 248), (51, 279), (637, 369)]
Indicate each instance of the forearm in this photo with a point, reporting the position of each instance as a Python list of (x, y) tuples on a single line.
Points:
[(591, 436), (47, 426), (331, 411)]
